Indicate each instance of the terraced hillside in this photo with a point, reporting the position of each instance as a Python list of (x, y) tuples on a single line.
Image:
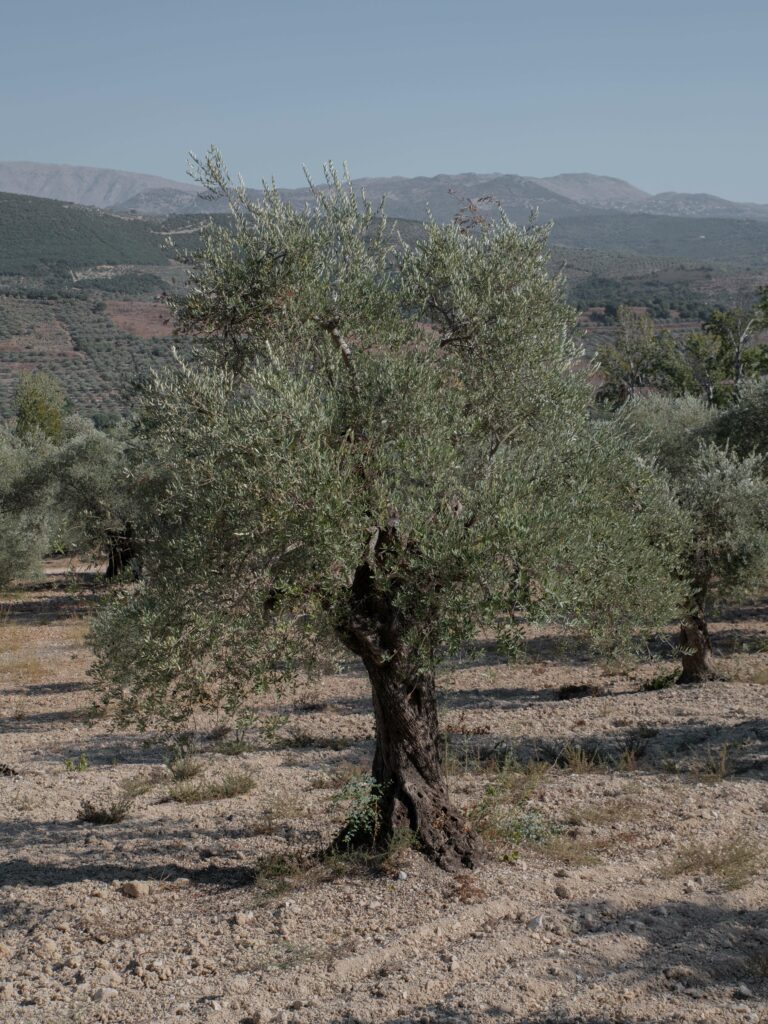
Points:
[(95, 348)]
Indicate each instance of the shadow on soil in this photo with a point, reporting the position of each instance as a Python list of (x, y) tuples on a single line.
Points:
[(689, 951), (439, 1013), (161, 852), (700, 752)]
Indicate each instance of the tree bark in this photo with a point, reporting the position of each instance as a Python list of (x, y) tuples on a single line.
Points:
[(411, 788), (696, 646), (122, 552)]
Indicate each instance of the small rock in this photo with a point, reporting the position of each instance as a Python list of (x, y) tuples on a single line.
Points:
[(535, 924), (243, 917), (402, 876), (102, 995), (562, 892), (135, 890), (561, 873), (6, 991), (742, 992), (5, 950), (182, 883)]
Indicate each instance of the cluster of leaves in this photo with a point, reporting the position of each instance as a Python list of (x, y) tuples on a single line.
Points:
[(715, 461), (361, 409)]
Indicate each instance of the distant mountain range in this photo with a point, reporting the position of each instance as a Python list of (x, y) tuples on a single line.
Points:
[(561, 196)]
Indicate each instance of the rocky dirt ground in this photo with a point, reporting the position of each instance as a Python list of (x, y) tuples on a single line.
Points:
[(625, 829)]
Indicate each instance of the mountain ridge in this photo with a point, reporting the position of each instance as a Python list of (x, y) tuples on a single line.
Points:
[(567, 194)]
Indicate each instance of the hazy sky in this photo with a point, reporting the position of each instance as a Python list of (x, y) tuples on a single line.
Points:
[(671, 95)]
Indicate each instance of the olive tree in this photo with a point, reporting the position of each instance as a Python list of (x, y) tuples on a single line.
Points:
[(93, 495), (724, 496), (744, 425), (376, 447), (70, 493), (39, 404), (24, 527)]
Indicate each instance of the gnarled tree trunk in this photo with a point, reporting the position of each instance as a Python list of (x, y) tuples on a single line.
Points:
[(122, 552), (411, 786), (696, 647)]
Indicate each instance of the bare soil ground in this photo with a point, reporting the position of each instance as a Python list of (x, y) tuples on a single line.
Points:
[(144, 319), (625, 829)]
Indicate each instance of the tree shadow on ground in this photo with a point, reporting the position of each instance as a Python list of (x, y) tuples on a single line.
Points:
[(702, 750), (32, 722), (160, 851), (682, 951), (685, 944), (444, 1013), (49, 609), (46, 689)]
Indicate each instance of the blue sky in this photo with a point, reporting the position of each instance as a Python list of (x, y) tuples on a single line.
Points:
[(672, 96)]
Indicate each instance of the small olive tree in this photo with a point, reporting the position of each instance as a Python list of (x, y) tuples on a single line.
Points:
[(93, 493), (24, 528), (39, 404), (379, 447), (724, 496), (71, 493)]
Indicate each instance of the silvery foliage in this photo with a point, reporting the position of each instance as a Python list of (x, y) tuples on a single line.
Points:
[(75, 487), (24, 528), (714, 464), (745, 425), (345, 385)]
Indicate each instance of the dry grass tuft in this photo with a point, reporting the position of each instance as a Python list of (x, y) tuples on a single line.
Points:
[(734, 861), (106, 814), (607, 812), (576, 850), (230, 785), (717, 764), (185, 768), (501, 817), (25, 669), (138, 785), (578, 758)]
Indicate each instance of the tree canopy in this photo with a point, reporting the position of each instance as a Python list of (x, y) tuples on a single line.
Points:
[(381, 447)]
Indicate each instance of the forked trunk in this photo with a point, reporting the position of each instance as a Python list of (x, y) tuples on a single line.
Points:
[(696, 648), (411, 787)]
